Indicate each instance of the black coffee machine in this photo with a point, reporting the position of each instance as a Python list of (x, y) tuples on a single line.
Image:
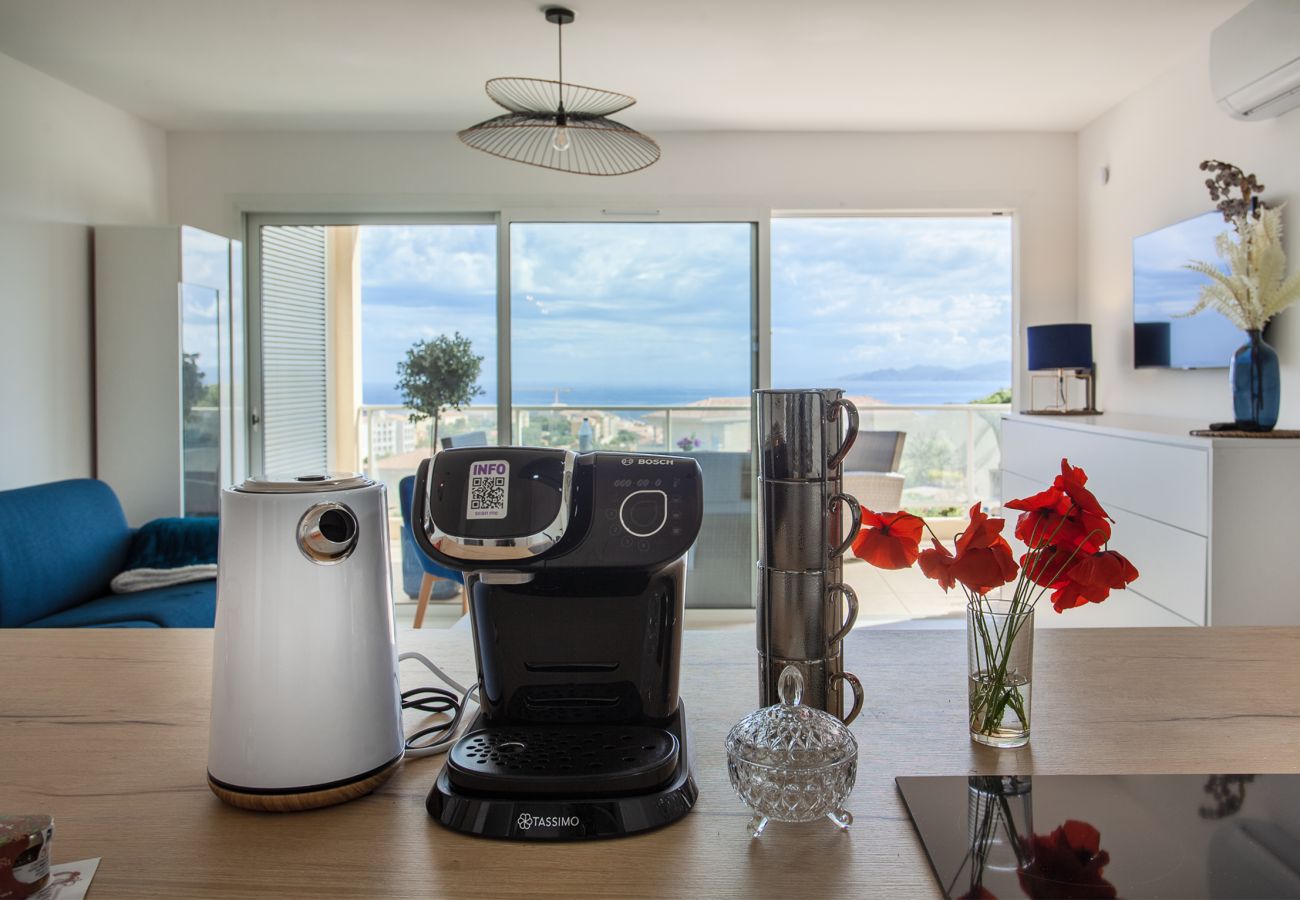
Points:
[(575, 567)]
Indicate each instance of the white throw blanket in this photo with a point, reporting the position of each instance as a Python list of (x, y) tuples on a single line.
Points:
[(143, 579)]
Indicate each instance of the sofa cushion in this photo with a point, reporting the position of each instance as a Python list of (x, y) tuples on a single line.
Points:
[(60, 544), (173, 542), (169, 551), (192, 605)]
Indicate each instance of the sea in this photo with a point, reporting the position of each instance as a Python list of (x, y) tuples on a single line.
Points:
[(894, 393)]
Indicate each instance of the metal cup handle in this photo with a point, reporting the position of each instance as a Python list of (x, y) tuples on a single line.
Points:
[(850, 434), (856, 509), (856, 686), (850, 598)]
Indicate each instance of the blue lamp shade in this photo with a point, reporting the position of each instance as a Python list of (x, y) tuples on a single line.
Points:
[(1059, 346)]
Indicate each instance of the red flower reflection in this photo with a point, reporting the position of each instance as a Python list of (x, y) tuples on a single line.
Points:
[(889, 540), (1066, 863)]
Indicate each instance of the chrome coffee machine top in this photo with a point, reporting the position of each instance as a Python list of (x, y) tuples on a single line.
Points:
[(575, 570)]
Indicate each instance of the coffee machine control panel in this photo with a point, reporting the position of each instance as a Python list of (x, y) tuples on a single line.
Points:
[(527, 508), (645, 509)]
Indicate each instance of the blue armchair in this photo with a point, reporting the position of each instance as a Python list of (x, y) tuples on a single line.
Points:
[(432, 571), (60, 546)]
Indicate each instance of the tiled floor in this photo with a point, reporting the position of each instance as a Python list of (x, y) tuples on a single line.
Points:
[(903, 596)]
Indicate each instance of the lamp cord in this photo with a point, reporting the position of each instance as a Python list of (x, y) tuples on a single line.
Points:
[(559, 43)]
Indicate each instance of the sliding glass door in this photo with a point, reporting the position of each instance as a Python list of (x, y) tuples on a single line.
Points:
[(911, 315), (639, 336)]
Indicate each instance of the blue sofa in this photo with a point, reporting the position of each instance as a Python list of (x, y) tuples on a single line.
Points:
[(60, 545)]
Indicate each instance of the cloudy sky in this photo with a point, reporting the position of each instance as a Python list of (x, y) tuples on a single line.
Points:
[(855, 295), (604, 307)]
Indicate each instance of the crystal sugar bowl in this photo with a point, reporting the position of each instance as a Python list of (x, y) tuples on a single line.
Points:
[(792, 763)]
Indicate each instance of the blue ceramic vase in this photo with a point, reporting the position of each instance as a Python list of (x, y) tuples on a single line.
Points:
[(1256, 384)]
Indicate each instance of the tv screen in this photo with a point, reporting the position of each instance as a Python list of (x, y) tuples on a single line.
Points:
[(1163, 288)]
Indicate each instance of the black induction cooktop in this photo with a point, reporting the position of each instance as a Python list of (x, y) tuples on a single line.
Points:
[(1102, 836)]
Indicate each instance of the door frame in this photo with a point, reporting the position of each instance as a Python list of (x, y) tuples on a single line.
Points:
[(253, 223)]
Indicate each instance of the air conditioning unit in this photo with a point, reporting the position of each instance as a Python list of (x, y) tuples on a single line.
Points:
[(1255, 60)]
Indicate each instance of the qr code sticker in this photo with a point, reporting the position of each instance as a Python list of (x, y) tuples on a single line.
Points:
[(488, 489)]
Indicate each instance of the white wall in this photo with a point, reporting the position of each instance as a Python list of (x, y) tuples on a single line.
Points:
[(214, 177), (67, 161), (1153, 143)]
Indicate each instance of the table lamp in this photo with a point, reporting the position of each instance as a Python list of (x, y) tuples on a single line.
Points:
[(1065, 350)]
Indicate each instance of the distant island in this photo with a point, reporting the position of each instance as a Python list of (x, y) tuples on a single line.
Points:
[(989, 371)]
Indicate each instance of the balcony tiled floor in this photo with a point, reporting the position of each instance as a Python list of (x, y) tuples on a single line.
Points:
[(903, 596)]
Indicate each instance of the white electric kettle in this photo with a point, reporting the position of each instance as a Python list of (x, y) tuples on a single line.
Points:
[(306, 708)]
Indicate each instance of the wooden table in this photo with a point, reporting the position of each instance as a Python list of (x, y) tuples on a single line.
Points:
[(107, 730)]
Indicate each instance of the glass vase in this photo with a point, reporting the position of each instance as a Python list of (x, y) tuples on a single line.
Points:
[(1256, 384), (1000, 668)]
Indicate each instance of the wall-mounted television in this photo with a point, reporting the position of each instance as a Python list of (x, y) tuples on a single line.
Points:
[(1163, 288)]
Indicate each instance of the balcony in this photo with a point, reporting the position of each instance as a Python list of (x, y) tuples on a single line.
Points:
[(950, 460)]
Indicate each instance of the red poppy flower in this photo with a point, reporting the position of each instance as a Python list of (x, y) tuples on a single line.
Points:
[(937, 564), (981, 531), (1067, 863), (979, 892), (983, 561), (1052, 517), (983, 568), (1091, 578), (1072, 480), (888, 540), (1044, 565)]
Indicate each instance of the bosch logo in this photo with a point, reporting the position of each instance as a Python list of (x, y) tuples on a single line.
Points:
[(651, 461), (627, 460), (528, 820)]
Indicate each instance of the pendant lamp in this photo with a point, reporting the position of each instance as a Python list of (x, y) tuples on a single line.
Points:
[(560, 126)]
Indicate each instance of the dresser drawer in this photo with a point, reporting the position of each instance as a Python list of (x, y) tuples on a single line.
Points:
[(1160, 481), (1123, 610), (1172, 563)]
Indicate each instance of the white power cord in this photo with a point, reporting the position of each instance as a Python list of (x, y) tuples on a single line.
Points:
[(436, 700)]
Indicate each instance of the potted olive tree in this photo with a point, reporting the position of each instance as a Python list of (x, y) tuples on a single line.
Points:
[(437, 375)]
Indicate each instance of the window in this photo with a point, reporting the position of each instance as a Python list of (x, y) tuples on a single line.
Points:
[(637, 336), (912, 317), (418, 282)]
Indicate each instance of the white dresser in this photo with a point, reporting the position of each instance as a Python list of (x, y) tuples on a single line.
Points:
[(1213, 524)]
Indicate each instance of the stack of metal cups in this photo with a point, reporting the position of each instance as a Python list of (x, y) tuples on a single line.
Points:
[(805, 524)]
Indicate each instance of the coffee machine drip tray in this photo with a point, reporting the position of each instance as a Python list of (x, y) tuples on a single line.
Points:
[(593, 760), (572, 782)]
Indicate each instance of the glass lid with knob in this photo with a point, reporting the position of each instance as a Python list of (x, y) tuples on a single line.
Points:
[(791, 735)]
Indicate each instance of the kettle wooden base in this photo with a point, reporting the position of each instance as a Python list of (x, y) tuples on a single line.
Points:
[(303, 800)]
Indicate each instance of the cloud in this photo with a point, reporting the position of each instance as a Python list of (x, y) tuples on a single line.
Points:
[(853, 294), (669, 304)]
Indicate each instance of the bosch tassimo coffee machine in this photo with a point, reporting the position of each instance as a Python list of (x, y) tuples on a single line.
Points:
[(575, 567)]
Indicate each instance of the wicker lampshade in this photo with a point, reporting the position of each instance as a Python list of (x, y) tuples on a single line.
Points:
[(561, 126)]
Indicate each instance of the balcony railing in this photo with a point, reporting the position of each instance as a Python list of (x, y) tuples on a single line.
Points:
[(950, 459)]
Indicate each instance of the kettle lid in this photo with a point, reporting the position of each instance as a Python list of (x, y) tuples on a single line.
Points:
[(303, 484)]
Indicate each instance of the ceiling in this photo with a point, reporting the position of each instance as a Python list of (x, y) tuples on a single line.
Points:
[(820, 65)]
